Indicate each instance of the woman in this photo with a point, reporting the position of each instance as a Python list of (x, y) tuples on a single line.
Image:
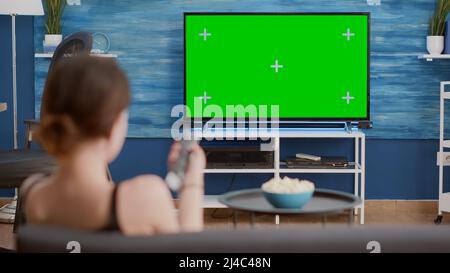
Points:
[(84, 122)]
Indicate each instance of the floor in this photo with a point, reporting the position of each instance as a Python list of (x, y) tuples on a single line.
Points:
[(377, 212)]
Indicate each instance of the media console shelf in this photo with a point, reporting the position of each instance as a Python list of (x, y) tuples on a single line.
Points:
[(357, 167)]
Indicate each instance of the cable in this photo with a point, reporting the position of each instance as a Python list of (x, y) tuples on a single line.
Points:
[(213, 214)]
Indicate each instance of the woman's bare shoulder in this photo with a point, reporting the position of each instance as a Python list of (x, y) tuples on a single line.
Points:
[(30, 181), (142, 201), (32, 193)]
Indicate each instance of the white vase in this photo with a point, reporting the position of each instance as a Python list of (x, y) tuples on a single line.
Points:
[(435, 44), (51, 42), (53, 39)]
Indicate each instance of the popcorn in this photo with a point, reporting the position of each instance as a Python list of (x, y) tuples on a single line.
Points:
[(287, 185)]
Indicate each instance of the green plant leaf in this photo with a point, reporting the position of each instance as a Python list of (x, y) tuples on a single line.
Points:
[(54, 10), (437, 20)]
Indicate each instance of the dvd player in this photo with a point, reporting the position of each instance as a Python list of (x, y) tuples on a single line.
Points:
[(238, 157), (325, 161)]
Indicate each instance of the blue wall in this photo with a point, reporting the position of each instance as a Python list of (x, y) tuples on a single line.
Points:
[(25, 76), (396, 169), (147, 36)]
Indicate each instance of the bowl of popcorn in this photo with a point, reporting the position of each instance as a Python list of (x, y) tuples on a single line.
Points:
[(288, 193)]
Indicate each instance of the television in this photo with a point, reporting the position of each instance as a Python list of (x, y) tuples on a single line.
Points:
[(313, 66)]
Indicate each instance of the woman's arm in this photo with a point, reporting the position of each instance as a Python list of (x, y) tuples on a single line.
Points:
[(146, 205), (190, 213)]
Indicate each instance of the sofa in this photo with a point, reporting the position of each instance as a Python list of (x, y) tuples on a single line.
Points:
[(362, 239)]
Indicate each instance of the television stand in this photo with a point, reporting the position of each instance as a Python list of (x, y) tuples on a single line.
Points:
[(356, 168)]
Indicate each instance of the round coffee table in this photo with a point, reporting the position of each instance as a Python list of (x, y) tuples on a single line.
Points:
[(323, 203)]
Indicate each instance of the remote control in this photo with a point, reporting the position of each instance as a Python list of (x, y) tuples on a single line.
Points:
[(308, 157), (175, 177)]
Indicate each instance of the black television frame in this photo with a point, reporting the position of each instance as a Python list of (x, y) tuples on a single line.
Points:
[(290, 119)]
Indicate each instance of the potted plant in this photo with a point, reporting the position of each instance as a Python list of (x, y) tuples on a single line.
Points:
[(53, 26), (435, 39)]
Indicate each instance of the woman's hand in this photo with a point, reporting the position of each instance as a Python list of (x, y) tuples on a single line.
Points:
[(196, 162), (190, 195)]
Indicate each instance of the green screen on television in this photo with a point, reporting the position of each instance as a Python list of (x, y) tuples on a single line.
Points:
[(313, 66)]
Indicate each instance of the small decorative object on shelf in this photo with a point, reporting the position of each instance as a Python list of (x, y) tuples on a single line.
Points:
[(101, 43), (435, 40), (373, 2), (73, 2), (54, 10), (435, 44), (3, 106)]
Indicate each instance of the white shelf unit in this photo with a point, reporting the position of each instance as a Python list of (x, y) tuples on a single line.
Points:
[(357, 169), (50, 55), (444, 198), (431, 57)]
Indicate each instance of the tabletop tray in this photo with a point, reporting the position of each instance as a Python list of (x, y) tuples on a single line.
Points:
[(322, 202)]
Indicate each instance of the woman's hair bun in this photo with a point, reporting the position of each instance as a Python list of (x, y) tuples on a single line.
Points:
[(57, 133)]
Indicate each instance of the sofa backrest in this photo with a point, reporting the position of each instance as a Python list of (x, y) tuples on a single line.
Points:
[(329, 239)]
